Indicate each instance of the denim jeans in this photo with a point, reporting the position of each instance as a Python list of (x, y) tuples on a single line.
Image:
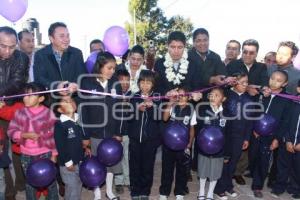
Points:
[(2, 184), (31, 191)]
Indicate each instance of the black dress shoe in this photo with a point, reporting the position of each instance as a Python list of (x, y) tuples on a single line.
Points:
[(239, 180), (119, 189)]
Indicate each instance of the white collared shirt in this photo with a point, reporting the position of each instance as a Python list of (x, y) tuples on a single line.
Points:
[(64, 118)]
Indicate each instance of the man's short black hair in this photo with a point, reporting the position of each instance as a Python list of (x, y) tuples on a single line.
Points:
[(96, 41), (251, 42), (8, 30), (55, 25), (177, 36), (199, 31), (20, 34)]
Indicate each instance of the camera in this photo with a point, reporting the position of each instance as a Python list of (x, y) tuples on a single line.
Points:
[(151, 43)]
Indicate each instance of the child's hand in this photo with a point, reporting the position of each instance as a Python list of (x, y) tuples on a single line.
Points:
[(297, 147), (71, 168), (245, 145), (148, 103), (196, 96), (119, 138), (53, 159), (274, 145), (266, 91), (255, 134), (231, 80), (2, 103), (252, 90), (290, 147), (142, 107), (88, 152), (30, 135), (226, 161)]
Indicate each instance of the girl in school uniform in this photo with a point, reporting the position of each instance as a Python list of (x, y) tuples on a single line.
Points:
[(210, 166), (97, 112)]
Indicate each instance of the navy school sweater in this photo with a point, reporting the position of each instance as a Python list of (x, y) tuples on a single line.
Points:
[(68, 137)]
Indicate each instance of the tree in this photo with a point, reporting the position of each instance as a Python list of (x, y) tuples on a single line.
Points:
[(151, 24)]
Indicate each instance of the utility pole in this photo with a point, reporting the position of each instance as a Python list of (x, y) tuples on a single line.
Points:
[(134, 27)]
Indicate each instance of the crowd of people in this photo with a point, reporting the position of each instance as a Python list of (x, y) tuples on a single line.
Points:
[(66, 126)]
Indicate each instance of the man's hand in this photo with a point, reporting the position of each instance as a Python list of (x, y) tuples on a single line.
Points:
[(71, 168), (274, 145), (196, 96), (53, 159), (297, 147), (245, 145), (119, 138), (217, 80), (70, 88), (290, 147)]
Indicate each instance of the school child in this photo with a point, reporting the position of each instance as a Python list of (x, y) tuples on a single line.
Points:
[(237, 132), (180, 110), (98, 114), (262, 146), (71, 144), (288, 163), (144, 137), (123, 179), (210, 166), (33, 128)]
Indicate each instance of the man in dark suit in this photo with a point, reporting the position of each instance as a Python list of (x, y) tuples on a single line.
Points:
[(258, 76), (58, 63)]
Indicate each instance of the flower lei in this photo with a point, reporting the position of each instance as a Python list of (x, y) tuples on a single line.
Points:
[(133, 80), (172, 76)]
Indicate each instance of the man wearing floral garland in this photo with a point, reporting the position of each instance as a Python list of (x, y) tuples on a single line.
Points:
[(174, 69)]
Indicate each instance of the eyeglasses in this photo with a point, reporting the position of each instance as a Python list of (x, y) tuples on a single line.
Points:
[(251, 53)]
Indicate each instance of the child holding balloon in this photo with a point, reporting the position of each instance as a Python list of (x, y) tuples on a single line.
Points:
[(178, 110), (98, 112), (210, 164), (70, 143), (33, 128), (237, 132), (263, 142)]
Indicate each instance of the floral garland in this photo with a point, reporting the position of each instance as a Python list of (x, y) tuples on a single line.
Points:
[(176, 77), (133, 80)]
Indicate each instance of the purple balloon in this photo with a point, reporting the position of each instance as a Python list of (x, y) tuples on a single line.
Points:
[(110, 151), (92, 173), (176, 136), (13, 10), (91, 60), (116, 40), (266, 125), (210, 140), (41, 173)]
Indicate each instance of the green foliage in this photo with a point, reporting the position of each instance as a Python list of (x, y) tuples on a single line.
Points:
[(151, 24)]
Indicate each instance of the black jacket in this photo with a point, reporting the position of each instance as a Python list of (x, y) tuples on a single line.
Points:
[(162, 85), (293, 132), (143, 126), (212, 66), (239, 125), (47, 71), (13, 73), (97, 112), (278, 109), (257, 75), (68, 137)]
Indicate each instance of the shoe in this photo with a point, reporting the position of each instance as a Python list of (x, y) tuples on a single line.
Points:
[(275, 194), (296, 196), (231, 193), (201, 198), (119, 189), (163, 197), (61, 190), (114, 198), (221, 196), (144, 197), (239, 180), (135, 198), (258, 194), (179, 197), (186, 190)]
